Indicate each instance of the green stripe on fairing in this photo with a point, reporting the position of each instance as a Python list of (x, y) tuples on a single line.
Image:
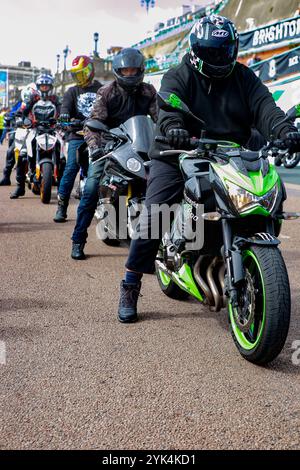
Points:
[(184, 278), (242, 340), (254, 182), (258, 210), (165, 279)]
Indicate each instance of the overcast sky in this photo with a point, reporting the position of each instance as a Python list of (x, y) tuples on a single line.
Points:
[(37, 30)]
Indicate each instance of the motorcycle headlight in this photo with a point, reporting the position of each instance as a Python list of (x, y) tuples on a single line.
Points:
[(133, 165), (244, 200)]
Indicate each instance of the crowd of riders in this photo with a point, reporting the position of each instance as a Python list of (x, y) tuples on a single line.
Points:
[(226, 94)]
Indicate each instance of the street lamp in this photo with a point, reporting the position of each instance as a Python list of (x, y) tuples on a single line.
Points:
[(96, 39), (58, 59), (147, 4), (66, 52)]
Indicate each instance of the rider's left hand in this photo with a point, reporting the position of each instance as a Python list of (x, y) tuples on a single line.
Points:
[(292, 142)]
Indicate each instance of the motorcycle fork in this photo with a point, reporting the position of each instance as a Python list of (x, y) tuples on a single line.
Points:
[(129, 194), (234, 264), (37, 167)]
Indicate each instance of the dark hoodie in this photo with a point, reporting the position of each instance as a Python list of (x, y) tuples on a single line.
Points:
[(229, 107), (78, 103)]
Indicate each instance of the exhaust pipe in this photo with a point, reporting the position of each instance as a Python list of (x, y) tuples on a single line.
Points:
[(212, 284), (204, 287), (221, 278)]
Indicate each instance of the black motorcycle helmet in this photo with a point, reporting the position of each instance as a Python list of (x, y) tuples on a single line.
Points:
[(214, 44), (129, 58)]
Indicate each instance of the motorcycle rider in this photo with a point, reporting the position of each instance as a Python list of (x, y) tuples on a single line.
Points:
[(225, 94), (36, 112), (125, 97), (9, 121), (77, 104)]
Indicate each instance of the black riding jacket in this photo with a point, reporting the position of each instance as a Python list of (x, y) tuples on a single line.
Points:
[(229, 107)]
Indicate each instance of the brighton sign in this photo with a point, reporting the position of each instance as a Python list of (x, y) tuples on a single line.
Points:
[(288, 30)]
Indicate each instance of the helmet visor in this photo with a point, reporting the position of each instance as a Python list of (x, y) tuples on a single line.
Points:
[(128, 58), (224, 54)]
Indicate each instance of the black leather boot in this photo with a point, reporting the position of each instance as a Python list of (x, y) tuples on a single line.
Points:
[(19, 191), (61, 213), (5, 181), (77, 251), (129, 295)]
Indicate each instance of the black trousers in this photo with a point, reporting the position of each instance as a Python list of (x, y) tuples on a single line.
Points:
[(10, 159), (165, 186)]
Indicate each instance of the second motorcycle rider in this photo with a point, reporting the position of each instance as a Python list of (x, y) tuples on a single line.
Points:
[(77, 104), (125, 97)]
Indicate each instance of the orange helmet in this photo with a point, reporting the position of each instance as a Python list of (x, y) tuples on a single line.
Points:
[(82, 70)]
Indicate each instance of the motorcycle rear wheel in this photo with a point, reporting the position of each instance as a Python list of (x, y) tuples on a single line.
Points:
[(259, 326)]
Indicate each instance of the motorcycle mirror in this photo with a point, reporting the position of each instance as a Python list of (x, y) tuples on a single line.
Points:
[(291, 114), (169, 101), (19, 122), (95, 125), (294, 112), (27, 122)]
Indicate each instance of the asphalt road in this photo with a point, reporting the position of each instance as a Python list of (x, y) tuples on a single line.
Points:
[(75, 378), (290, 176)]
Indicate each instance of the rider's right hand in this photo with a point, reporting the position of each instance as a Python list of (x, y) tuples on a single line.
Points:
[(178, 138), (65, 117)]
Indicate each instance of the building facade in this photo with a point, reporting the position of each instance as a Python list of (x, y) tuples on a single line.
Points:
[(18, 76)]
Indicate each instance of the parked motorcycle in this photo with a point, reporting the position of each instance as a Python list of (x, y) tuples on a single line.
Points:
[(124, 175), (21, 132), (239, 265), (44, 150)]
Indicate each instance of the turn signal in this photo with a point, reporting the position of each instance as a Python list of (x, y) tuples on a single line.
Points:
[(212, 216)]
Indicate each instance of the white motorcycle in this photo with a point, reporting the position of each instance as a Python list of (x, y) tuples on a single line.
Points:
[(44, 145)]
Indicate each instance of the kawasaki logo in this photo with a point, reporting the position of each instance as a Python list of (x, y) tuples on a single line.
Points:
[(220, 33)]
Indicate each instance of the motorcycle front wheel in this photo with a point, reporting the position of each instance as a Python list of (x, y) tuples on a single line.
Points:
[(46, 184), (107, 224), (260, 324)]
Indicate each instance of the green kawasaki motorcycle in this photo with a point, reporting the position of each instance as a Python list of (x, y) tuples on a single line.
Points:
[(237, 264)]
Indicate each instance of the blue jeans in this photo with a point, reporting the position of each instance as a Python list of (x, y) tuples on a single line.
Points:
[(88, 202), (71, 170)]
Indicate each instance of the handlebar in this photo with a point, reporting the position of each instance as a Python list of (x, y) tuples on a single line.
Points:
[(75, 123), (209, 146), (193, 142)]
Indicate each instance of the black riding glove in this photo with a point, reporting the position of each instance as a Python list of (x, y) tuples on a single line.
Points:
[(292, 142), (178, 138), (65, 117)]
